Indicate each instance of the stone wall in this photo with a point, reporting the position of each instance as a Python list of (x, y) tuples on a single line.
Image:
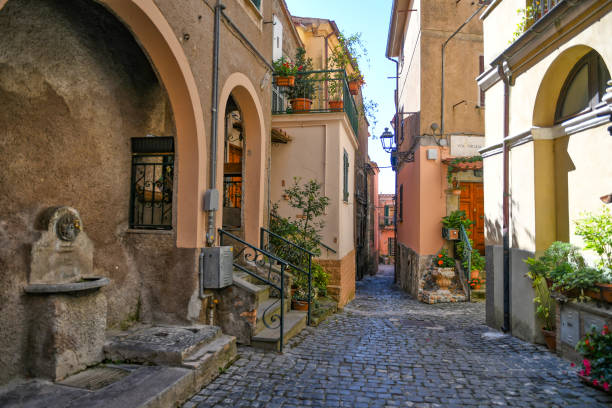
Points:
[(410, 268), (341, 278)]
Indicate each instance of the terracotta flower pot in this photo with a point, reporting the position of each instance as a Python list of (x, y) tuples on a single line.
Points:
[(300, 305), (336, 106), (550, 336), (285, 80), (354, 86), (300, 104), (474, 274), (605, 291)]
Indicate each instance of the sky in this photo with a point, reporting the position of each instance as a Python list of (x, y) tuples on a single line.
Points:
[(371, 18)]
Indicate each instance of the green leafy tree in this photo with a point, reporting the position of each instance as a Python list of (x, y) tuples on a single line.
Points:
[(596, 232)]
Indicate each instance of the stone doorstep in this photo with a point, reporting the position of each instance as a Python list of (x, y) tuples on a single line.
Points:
[(269, 339), (162, 345), (143, 387), (435, 297)]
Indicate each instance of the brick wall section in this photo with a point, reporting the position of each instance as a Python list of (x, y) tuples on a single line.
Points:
[(341, 278)]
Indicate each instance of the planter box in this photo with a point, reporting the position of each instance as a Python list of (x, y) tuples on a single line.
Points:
[(285, 81), (450, 234)]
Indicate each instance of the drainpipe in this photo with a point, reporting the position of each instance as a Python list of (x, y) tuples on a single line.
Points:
[(396, 172), (506, 199), (210, 235), (485, 3)]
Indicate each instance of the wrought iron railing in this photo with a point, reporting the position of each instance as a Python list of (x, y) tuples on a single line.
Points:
[(467, 253), (539, 8), (299, 259), (328, 91), (232, 191), (245, 253), (151, 195), (321, 244)]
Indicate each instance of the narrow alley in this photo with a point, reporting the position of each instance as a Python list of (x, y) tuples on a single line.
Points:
[(386, 350)]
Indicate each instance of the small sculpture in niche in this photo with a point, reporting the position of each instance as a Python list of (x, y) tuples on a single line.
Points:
[(68, 227)]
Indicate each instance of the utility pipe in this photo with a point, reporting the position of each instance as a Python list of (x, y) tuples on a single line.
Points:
[(506, 198), (396, 172), (443, 50), (210, 235)]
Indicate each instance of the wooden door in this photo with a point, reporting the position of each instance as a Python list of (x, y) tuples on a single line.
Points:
[(472, 202)]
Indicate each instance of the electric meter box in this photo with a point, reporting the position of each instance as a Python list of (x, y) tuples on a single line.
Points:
[(218, 267)]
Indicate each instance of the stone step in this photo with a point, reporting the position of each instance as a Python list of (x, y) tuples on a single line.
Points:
[(269, 339), (162, 345), (478, 294), (274, 305), (242, 280)]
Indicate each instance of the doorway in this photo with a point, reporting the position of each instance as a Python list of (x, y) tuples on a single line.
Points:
[(233, 167), (472, 202)]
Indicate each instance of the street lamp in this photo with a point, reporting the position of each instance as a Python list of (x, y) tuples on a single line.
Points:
[(387, 140)]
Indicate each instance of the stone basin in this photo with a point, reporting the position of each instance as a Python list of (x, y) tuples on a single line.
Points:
[(85, 284)]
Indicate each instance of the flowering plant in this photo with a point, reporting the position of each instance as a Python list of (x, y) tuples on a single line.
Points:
[(596, 348), (282, 67), (444, 261), (474, 283)]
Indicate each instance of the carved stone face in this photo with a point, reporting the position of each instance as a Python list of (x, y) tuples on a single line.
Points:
[(67, 227)]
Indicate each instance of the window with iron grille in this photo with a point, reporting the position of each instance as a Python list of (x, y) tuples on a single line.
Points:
[(346, 176), (391, 246), (152, 183)]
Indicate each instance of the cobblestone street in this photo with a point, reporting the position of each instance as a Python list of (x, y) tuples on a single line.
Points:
[(387, 350)]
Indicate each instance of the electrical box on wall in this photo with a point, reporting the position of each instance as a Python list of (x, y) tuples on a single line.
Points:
[(432, 154), (218, 267)]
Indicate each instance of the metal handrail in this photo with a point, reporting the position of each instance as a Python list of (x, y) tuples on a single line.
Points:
[(308, 253), (467, 254), (260, 257), (318, 241)]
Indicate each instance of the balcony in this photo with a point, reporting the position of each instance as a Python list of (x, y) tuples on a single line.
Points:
[(385, 221), (324, 91), (539, 8)]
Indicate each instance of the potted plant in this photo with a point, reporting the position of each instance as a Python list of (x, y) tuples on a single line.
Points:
[(477, 264), (336, 86), (596, 348), (596, 232), (300, 95), (451, 224), (474, 283), (444, 270), (348, 51), (299, 299), (284, 72), (545, 304)]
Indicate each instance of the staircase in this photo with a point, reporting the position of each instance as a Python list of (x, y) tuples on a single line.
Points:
[(250, 309)]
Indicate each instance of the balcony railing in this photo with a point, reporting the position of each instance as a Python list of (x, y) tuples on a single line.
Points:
[(539, 8), (328, 90)]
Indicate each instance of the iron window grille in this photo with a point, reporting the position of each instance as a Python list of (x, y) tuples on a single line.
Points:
[(152, 183)]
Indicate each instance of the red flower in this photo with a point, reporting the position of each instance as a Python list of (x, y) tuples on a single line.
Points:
[(595, 382), (606, 386), (587, 343), (581, 372), (440, 262), (573, 365), (440, 255)]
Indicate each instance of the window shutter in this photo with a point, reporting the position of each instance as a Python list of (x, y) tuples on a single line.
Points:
[(277, 46), (480, 71), (346, 174)]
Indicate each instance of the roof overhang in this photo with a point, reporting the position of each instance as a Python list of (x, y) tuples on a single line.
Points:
[(395, 38)]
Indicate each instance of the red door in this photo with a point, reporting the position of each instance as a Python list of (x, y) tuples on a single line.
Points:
[(472, 202)]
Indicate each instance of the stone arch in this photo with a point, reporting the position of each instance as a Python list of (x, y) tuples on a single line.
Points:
[(158, 41), (552, 83), (244, 93)]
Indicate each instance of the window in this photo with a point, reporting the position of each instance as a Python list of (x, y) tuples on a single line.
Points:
[(257, 3), (481, 64), (401, 203), (387, 221), (584, 87), (152, 183), (277, 38), (391, 246), (346, 177)]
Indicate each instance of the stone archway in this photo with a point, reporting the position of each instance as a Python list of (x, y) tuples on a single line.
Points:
[(242, 90)]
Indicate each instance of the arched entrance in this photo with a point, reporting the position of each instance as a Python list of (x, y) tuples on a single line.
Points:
[(240, 91)]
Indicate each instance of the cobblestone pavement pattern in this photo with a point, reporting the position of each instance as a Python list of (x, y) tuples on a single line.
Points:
[(388, 350)]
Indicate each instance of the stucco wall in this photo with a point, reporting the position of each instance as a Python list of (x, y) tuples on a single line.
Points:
[(555, 177), (69, 106)]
